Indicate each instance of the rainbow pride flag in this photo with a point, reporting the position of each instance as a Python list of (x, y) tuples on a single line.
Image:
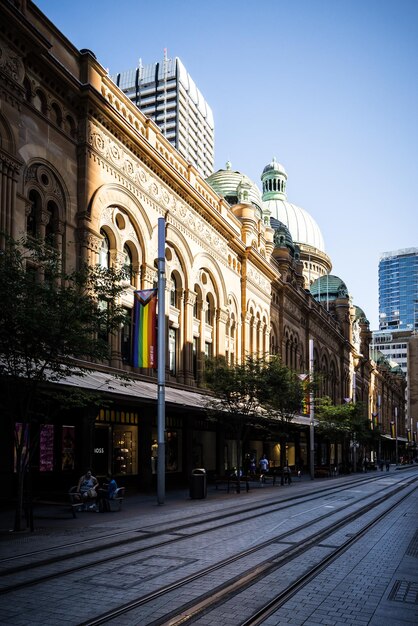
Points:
[(145, 328)]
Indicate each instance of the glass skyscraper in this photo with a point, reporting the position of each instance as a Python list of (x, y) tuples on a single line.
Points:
[(398, 290)]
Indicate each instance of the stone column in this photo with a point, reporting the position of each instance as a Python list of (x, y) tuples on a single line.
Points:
[(90, 243), (221, 322)]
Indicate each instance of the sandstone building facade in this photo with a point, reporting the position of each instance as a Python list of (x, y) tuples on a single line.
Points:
[(82, 166)]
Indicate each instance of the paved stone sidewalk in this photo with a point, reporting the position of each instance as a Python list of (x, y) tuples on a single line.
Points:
[(374, 583)]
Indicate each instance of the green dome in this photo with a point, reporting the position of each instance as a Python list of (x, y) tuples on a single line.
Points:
[(360, 314), (235, 187), (328, 287), (301, 224), (282, 236)]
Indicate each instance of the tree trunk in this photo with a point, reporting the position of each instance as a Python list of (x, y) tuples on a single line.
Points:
[(19, 501), (239, 448)]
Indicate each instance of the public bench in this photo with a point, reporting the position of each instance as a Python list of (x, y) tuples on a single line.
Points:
[(265, 479), (115, 503), (109, 504), (232, 482), (322, 472), (77, 504)]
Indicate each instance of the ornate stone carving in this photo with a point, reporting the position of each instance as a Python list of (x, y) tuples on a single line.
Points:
[(11, 64), (257, 279), (190, 297), (223, 316), (90, 241), (130, 167), (45, 180)]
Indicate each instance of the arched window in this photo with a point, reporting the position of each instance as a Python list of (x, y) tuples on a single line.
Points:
[(32, 217), (104, 254), (127, 264), (51, 226), (126, 338), (173, 291), (172, 349), (45, 214), (208, 312)]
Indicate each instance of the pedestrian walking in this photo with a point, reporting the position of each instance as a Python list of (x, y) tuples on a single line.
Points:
[(387, 464), (287, 474), (264, 467)]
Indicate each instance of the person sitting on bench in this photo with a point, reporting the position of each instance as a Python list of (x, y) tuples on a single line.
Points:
[(87, 488), (107, 492)]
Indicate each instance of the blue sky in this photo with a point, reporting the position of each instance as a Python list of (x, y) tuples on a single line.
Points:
[(328, 87)]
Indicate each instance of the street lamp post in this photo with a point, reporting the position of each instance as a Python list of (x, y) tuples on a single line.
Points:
[(311, 413), (161, 363), (396, 435)]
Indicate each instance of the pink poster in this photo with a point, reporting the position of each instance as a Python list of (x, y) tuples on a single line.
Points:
[(46, 448)]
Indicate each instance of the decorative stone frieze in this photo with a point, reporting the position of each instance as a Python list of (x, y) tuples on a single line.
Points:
[(149, 188), (258, 279), (11, 63)]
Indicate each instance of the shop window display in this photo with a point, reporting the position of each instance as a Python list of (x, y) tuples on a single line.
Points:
[(173, 451), (68, 448), (124, 450)]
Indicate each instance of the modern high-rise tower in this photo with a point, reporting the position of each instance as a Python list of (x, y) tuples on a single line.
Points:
[(166, 93), (398, 290)]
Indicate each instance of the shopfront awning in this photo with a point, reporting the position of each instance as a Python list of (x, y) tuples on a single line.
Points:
[(394, 438), (103, 382), (140, 390)]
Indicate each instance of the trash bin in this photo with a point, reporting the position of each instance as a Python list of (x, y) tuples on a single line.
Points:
[(198, 484)]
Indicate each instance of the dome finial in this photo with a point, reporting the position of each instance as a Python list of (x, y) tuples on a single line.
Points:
[(228, 165)]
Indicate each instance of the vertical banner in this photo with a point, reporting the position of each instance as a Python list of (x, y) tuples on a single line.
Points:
[(46, 448), (145, 331), (392, 430)]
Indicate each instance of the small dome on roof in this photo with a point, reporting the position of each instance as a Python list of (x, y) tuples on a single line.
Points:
[(274, 166), (235, 187), (328, 287), (301, 224), (282, 236), (360, 314)]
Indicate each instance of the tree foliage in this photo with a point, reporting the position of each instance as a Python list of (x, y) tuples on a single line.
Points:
[(337, 422), (51, 322), (258, 392), (282, 391)]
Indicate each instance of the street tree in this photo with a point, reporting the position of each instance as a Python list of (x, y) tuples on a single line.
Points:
[(51, 323), (260, 392), (236, 397), (282, 396), (344, 423)]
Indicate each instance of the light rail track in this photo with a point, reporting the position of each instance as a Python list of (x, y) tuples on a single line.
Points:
[(220, 593), (102, 551)]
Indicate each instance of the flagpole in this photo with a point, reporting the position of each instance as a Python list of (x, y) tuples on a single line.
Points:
[(161, 363)]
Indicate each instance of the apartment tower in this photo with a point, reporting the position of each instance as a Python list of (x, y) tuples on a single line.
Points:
[(166, 93)]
